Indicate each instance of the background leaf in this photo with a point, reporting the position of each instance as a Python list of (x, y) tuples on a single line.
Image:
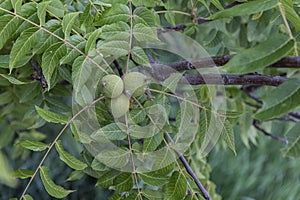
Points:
[(280, 100), (264, 54)]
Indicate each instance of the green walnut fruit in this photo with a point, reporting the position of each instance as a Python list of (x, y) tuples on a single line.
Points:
[(134, 84), (118, 106), (112, 86)]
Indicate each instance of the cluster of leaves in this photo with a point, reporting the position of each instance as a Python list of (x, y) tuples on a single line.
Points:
[(49, 49)]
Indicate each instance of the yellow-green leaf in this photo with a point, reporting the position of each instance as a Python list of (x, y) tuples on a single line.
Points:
[(33, 145), (69, 159), (53, 190), (51, 116), (68, 22)]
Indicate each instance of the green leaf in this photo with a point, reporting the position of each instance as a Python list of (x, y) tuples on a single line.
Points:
[(68, 22), (33, 145), (290, 13), (293, 136), (123, 182), (116, 13), (139, 56), (116, 31), (115, 48), (75, 175), (151, 143), (56, 8), (115, 158), (51, 58), (170, 17), (171, 83), (154, 179), (228, 136), (251, 7), (9, 25), (91, 43), (41, 11), (25, 42), (5, 175), (27, 197), (145, 16), (23, 173), (113, 131), (250, 60), (280, 100), (6, 97), (51, 116), (217, 4), (12, 79), (98, 166), (47, 40), (177, 186), (52, 189), (107, 179), (143, 33), (16, 5), (69, 159), (79, 42)]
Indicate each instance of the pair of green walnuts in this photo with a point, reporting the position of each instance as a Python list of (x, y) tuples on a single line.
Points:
[(118, 91)]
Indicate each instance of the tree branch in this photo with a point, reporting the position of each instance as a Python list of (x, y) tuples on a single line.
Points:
[(233, 79), (286, 62), (275, 137), (190, 171)]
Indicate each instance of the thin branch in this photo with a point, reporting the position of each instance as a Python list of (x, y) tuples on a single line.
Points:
[(55, 141), (249, 91), (119, 68), (190, 171), (295, 114), (286, 117), (275, 137), (39, 74)]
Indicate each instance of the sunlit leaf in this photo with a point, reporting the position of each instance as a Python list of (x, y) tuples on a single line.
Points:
[(9, 25), (68, 22), (26, 41), (177, 186), (251, 7), (34, 145), (91, 43), (56, 8), (69, 159), (42, 11), (51, 58), (116, 13), (23, 173), (16, 5), (139, 56), (12, 79), (50, 116), (27, 197), (52, 189)]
